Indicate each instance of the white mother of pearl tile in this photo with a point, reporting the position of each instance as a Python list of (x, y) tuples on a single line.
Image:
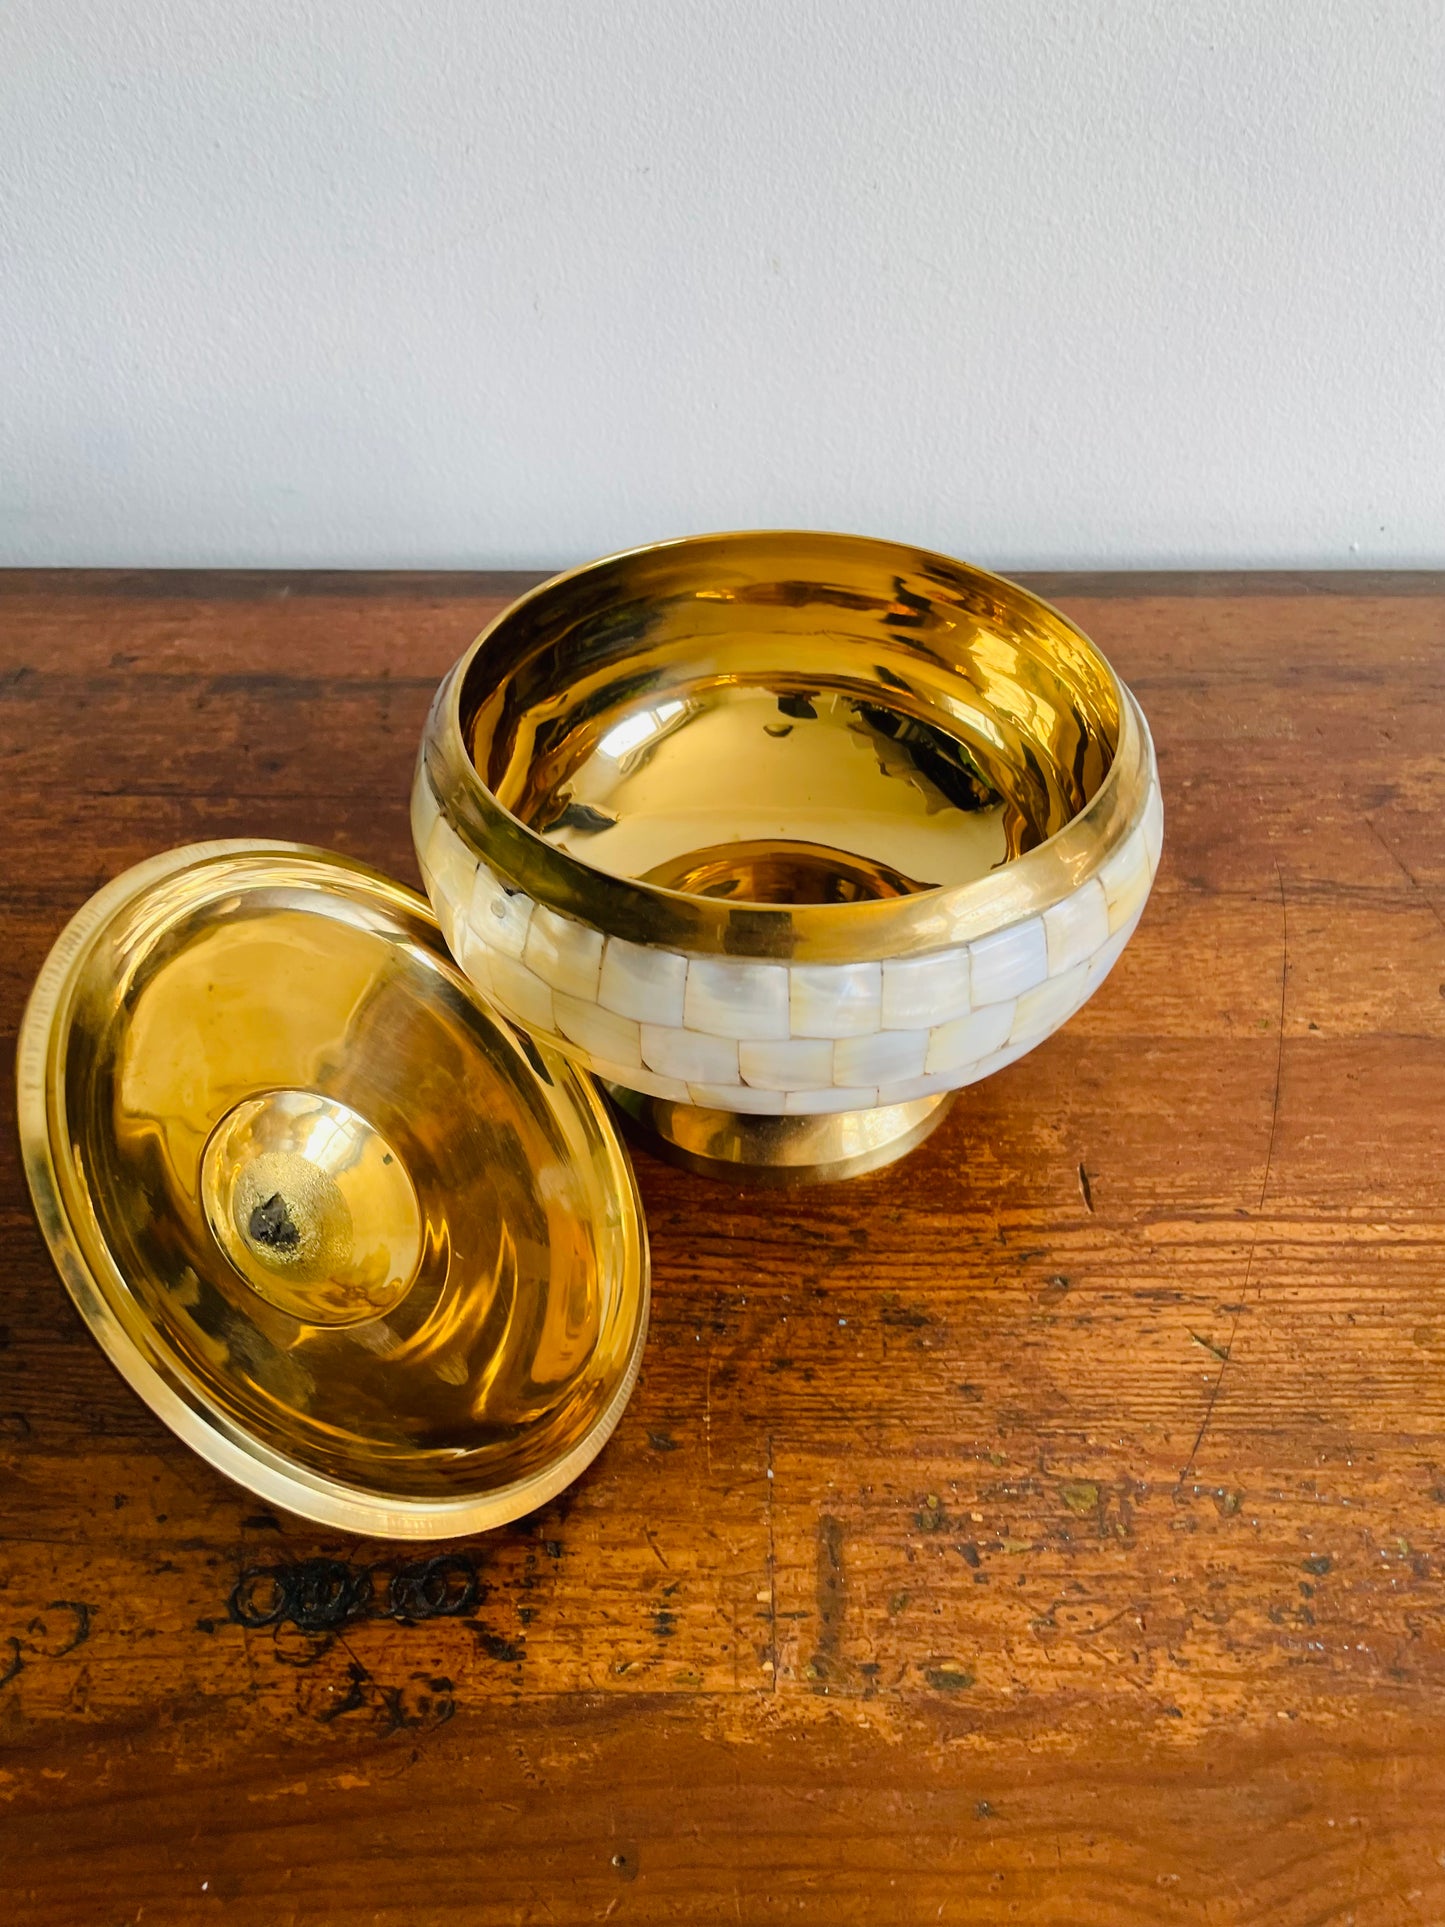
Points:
[(521, 995), (1126, 874), (835, 1000), (1129, 900), (931, 1084), (450, 862), (1074, 929), (738, 1000), (650, 1083), (423, 814), (642, 983), (473, 956), (565, 954), (811, 1103), (499, 917), (794, 1064), (916, 1087), (737, 1097), (1154, 826), (1042, 1009), (887, 1057), (926, 990), (1008, 961), (601, 1033), (998, 1060), (1123, 862), (1104, 959), (691, 1055), (451, 924), (969, 1038)]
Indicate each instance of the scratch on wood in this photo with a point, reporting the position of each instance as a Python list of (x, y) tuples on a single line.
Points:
[(832, 1598), (707, 1410), (1408, 874), (772, 1575), (1263, 1188)]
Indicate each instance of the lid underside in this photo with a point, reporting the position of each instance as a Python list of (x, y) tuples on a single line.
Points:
[(369, 1252)]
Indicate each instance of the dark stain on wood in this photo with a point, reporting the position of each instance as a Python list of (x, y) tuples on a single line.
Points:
[(664, 1619), (507, 1652), (825, 1668), (907, 1317)]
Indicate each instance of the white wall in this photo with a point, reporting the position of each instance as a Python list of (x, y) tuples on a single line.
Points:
[(1093, 282)]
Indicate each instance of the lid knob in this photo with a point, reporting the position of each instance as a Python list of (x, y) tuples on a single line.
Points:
[(312, 1207)]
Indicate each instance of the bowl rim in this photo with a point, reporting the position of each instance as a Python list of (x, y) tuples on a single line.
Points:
[(886, 928), (94, 1281)]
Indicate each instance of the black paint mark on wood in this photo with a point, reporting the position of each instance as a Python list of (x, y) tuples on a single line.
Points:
[(292, 1647), (354, 1700), (78, 1633), (322, 1595)]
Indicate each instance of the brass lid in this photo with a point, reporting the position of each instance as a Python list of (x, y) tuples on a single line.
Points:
[(372, 1254)]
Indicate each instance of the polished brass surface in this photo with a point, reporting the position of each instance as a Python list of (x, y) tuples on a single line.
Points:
[(780, 870), (778, 1150), (786, 745), (313, 1207), (849, 774), (367, 1251)]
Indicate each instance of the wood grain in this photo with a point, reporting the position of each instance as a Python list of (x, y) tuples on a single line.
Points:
[(1049, 1529)]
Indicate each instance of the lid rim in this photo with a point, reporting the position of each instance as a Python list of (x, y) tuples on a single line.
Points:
[(184, 1409)]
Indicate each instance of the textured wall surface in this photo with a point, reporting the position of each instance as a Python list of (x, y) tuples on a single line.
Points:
[(371, 283)]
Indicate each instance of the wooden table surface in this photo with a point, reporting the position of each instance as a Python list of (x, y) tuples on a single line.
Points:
[(1049, 1529)]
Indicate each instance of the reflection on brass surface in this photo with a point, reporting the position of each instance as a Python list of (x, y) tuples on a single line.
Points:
[(781, 870), (312, 1206), (716, 758), (367, 1252), (905, 717), (779, 1150)]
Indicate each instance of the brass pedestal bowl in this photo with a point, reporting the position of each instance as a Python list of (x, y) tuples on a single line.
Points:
[(786, 837)]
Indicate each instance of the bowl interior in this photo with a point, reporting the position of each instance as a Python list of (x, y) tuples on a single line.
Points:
[(789, 719)]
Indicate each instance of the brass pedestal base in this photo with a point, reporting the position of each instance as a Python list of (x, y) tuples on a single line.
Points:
[(777, 1150)]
